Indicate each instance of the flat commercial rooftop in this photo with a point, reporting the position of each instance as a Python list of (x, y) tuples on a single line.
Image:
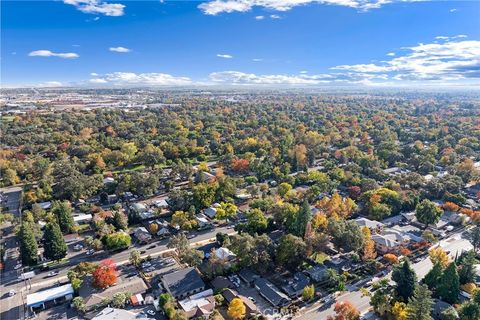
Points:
[(37, 298)]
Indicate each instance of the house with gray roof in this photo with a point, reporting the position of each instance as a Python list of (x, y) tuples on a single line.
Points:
[(183, 283), (271, 293)]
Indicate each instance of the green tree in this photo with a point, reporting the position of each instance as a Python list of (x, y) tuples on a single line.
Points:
[(420, 304), (405, 279), (346, 234), (119, 299), (120, 220), (203, 194), (433, 276), (308, 292), (135, 258), (302, 219), (449, 284), (151, 155), (178, 242), (79, 304), (428, 212), (226, 211), (54, 245), (28, 244), (291, 251), (117, 240), (475, 238), (192, 257), (466, 271), (469, 311), (256, 221), (63, 214), (284, 188)]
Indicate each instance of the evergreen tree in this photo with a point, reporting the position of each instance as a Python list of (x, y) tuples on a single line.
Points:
[(120, 220), (406, 280), (63, 214), (420, 304), (466, 271), (449, 284), (53, 242), (28, 244), (302, 219), (427, 212), (433, 276)]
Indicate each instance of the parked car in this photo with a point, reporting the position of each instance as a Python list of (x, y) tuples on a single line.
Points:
[(12, 292), (77, 247), (52, 274), (18, 266), (151, 312)]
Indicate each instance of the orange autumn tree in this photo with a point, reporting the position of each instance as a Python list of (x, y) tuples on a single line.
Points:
[(337, 207), (391, 258), (369, 252), (105, 275), (345, 311)]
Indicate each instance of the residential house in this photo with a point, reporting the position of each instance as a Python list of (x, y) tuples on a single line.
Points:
[(183, 283), (210, 212), (221, 282), (94, 297), (203, 222), (203, 176), (142, 234), (317, 273), (370, 224), (198, 305), (117, 314), (225, 255), (271, 293), (250, 307), (294, 287), (248, 276)]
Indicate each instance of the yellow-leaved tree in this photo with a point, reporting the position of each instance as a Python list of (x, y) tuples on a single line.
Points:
[(236, 309)]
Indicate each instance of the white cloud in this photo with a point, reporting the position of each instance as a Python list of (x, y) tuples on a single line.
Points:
[(448, 38), (48, 53), (257, 59), (96, 18), (120, 49), (303, 71), (451, 60), (391, 54), (50, 84), (453, 10), (237, 77), (275, 16), (259, 17), (149, 79), (94, 74), (215, 7), (225, 56), (97, 7), (97, 81), (14, 53)]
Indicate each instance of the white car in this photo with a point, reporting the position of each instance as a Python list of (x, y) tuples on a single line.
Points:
[(78, 247), (151, 312), (18, 266), (12, 292)]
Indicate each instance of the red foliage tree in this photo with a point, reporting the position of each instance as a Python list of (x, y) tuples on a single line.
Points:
[(345, 311), (105, 275), (240, 165), (354, 192)]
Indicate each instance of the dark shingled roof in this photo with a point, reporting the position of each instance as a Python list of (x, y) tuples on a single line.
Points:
[(182, 282)]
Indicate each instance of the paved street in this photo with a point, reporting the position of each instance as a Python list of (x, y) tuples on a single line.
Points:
[(455, 243)]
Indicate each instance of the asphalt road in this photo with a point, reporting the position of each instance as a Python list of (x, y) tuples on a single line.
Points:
[(12, 308), (454, 243)]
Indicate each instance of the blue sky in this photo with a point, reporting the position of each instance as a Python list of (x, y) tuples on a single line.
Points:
[(242, 42)]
